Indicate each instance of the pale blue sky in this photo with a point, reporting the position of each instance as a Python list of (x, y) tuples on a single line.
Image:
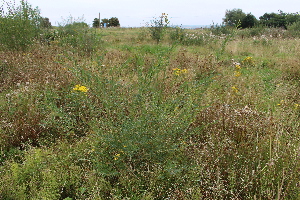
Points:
[(137, 12)]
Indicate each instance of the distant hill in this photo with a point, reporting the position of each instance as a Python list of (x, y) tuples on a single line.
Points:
[(195, 26)]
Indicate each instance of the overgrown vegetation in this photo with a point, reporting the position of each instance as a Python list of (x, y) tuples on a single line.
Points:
[(19, 25), (236, 17), (113, 114)]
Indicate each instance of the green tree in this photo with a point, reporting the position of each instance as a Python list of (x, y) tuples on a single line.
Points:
[(280, 19), (105, 21), (273, 19), (292, 18), (249, 21), (234, 17), (114, 21), (96, 23), (45, 23)]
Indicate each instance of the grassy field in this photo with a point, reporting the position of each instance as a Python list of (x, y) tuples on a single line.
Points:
[(113, 114)]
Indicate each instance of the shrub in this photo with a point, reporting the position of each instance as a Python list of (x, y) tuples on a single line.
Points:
[(76, 34), (177, 34), (19, 26), (221, 30), (158, 26), (294, 29)]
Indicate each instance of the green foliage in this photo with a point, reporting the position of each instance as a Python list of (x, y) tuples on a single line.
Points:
[(112, 22), (294, 29), (19, 26), (96, 23), (77, 35), (45, 23), (104, 21), (215, 116), (273, 20), (280, 19), (234, 17), (221, 30), (157, 27), (239, 19), (177, 34), (249, 21)]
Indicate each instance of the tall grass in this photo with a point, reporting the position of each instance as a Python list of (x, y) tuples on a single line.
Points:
[(123, 117)]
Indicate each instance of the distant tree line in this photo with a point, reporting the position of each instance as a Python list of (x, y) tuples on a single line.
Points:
[(112, 22), (239, 19)]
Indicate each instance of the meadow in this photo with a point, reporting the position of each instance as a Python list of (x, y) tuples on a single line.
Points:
[(115, 114)]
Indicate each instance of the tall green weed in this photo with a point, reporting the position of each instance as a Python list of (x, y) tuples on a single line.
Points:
[(19, 25), (77, 35)]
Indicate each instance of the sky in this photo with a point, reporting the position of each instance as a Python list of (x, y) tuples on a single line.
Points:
[(135, 13)]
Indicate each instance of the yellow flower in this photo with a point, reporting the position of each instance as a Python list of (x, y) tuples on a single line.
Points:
[(238, 67), (297, 106), (248, 60), (117, 156), (184, 71), (80, 88), (178, 71), (237, 73), (281, 102), (234, 89)]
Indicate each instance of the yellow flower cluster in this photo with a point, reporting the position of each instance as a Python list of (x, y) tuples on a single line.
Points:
[(117, 156), (234, 89), (237, 73), (248, 60), (80, 88), (178, 71), (238, 67)]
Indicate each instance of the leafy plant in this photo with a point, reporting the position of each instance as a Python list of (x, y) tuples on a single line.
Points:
[(157, 27), (19, 25)]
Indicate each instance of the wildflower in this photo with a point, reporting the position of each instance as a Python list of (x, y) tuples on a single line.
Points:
[(117, 156), (248, 60), (281, 102), (178, 71), (238, 67), (80, 88), (297, 106), (237, 73), (234, 89)]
